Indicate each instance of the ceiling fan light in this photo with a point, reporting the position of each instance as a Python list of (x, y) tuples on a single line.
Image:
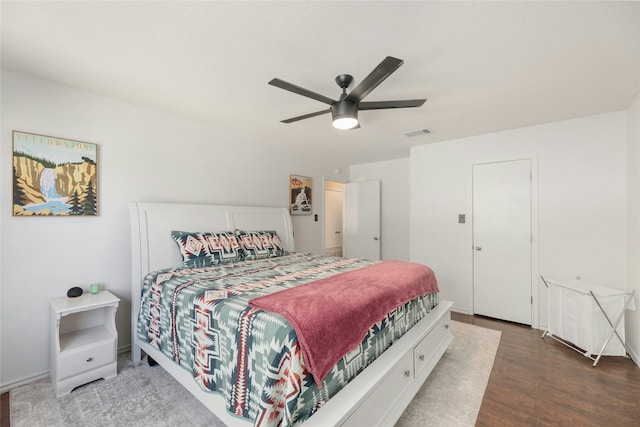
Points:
[(345, 115), (345, 122)]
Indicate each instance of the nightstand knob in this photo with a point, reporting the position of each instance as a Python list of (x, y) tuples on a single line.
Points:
[(421, 357), (407, 373), (89, 359)]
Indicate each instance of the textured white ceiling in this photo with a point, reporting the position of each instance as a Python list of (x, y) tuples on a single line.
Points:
[(483, 66)]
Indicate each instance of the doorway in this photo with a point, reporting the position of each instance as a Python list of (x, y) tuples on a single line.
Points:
[(352, 219), (333, 218), (503, 240)]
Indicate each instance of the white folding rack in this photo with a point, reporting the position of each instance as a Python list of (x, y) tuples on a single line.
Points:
[(580, 316)]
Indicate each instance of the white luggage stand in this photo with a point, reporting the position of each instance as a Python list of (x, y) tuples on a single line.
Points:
[(575, 321)]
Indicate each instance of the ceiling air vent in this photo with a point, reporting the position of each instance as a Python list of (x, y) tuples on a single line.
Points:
[(418, 132)]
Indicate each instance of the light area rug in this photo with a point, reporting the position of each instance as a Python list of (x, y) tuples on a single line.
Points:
[(452, 395), (147, 396)]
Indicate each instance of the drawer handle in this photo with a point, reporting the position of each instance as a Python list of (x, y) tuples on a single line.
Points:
[(421, 357), (89, 359), (446, 326), (407, 373)]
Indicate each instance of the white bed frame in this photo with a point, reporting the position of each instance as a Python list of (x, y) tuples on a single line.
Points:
[(376, 397)]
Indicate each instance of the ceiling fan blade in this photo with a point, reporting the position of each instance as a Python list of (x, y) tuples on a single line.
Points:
[(306, 116), (301, 91), (381, 105), (377, 76)]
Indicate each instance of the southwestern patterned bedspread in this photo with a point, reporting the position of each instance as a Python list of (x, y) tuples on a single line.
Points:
[(201, 318), (358, 298)]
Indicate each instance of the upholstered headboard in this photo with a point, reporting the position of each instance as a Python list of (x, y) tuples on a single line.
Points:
[(153, 248)]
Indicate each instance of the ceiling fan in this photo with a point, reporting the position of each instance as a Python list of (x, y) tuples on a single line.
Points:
[(345, 110)]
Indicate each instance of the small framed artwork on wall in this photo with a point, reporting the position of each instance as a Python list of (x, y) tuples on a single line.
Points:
[(54, 176), (300, 195)]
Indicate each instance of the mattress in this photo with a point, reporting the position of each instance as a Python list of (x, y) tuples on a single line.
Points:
[(201, 319)]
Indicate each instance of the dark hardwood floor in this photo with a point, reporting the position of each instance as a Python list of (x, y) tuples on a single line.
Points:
[(540, 382), (4, 410)]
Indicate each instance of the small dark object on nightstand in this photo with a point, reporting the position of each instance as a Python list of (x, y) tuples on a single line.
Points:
[(74, 292)]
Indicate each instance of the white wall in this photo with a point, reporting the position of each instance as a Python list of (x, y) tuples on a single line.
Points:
[(142, 155), (582, 210), (394, 200), (633, 224)]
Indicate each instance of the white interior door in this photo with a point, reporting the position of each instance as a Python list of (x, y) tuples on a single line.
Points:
[(362, 220), (502, 240)]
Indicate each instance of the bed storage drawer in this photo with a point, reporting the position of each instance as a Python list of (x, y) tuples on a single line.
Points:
[(373, 410), (423, 351)]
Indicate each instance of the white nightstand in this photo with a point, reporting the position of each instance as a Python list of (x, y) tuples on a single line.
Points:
[(84, 340)]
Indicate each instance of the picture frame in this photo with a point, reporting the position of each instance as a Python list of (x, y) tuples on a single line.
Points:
[(54, 176), (300, 195)]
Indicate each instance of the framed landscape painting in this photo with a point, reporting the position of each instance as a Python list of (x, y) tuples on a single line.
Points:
[(54, 176), (299, 195)]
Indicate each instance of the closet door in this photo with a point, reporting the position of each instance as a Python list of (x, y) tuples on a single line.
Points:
[(362, 220), (502, 240)]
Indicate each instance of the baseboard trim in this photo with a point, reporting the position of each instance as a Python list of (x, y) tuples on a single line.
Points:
[(28, 380), (634, 357)]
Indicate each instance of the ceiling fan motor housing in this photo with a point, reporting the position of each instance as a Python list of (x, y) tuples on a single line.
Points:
[(345, 110)]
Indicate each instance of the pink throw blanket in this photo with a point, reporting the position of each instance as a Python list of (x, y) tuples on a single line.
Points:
[(331, 316)]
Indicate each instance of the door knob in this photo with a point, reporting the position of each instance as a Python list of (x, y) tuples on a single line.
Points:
[(478, 248)]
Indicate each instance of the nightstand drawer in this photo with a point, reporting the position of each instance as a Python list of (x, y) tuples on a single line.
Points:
[(78, 361)]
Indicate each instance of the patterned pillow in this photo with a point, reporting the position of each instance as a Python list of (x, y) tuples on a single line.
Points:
[(208, 249), (260, 244)]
